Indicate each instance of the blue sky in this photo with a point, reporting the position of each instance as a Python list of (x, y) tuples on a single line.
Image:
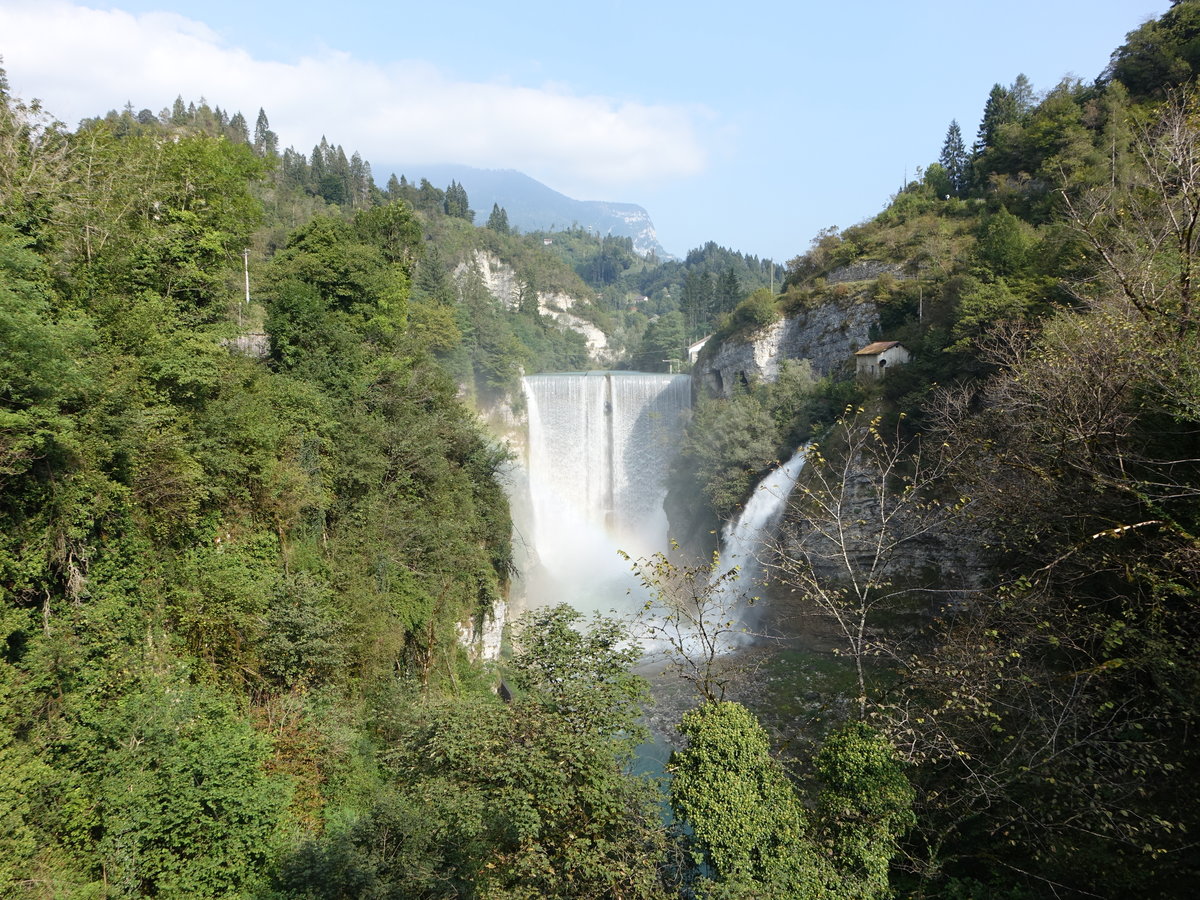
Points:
[(752, 124)]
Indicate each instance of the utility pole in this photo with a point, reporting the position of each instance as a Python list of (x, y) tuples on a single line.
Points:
[(246, 272)]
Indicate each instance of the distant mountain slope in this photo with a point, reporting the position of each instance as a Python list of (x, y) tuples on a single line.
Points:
[(532, 206)]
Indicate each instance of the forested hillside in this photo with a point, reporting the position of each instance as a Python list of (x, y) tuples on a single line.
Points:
[(1001, 532)]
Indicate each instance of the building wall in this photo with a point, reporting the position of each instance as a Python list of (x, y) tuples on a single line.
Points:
[(870, 366)]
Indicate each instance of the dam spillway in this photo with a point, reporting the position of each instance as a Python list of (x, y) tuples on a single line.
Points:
[(599, 449)]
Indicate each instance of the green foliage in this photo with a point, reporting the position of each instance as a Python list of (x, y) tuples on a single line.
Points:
[(456, 204), (498, 220), (753, 314), (1001, 109), (748, 826), (302, 641), (662, 342), (954, 159), (173, 218), (981, 306), (394, 230), (183, 805), (1007, 245), (730, 443), (749, 830), (582, 674), (865, 805), (39, 374), (34, 163), (231, 590), (525, 799), (611, 258), (209, 563), (1161, 54), (1085, 610)]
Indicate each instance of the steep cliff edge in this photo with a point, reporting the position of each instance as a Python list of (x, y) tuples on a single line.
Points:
[(827, 335)]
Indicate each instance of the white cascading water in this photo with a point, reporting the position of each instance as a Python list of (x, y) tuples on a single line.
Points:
[(600, 445), (742, 540)]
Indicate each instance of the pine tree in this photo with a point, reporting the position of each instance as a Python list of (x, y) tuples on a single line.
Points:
[(498, 220), (266, 142), (954, 159), (429, 198), (317, 161), (1000, 109), (239, 131), (696, 303), (1022, 93), (728, 291), (294, 168), (361, 182), (456, 204)]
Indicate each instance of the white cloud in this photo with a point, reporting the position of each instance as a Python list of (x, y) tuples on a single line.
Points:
[(82, 62)]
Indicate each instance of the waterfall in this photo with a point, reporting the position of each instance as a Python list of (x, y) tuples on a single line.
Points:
[(742, 540), (600, 445)]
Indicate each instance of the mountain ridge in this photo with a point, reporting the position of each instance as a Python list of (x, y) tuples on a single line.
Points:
[(534, 206)]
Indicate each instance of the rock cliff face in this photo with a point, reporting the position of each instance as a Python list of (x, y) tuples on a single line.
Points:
[(501, 282), (630, 220), (827, 335), (929, 551)]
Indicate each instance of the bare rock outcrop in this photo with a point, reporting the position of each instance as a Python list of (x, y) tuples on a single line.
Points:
[(826, 335), (501, 282)]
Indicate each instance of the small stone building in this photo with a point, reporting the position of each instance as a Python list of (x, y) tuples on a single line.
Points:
[(874, 359)]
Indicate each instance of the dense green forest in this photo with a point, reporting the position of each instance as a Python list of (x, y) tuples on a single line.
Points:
[(241, 539), (1001, 533), (235, 571)]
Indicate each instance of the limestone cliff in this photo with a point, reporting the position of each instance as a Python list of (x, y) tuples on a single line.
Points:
[(827, 335), (501, 281)]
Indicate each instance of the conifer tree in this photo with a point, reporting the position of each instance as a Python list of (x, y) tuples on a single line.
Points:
[(1022, 94), (239, 132), (429, 198), (266, 142), (1000, 109), (498, 220), (456, 205), (954, 158), (728, 291), (696, 303)]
